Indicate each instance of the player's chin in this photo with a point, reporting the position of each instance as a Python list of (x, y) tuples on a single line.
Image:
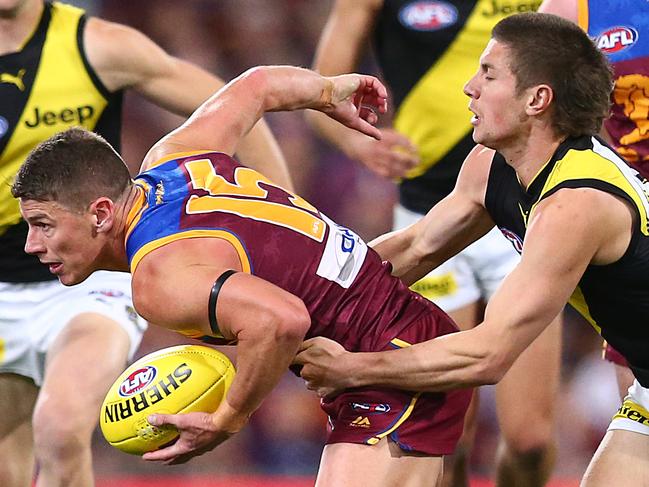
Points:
[(72, 279)]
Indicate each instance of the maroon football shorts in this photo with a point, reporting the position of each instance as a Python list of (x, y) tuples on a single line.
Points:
[(612, 355), (429, 423)]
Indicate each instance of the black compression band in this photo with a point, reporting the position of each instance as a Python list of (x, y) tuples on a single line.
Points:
[(214, 294)]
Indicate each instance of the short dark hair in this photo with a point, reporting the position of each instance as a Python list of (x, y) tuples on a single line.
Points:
[(74, 168), (550, 50)]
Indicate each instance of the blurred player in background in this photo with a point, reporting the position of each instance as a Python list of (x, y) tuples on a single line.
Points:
[(220, 252), (616, 28), (426, 51), (58, 69)]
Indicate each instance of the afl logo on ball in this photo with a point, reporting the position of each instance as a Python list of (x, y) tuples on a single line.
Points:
[(616, 39), (428, 16), (137, 381)]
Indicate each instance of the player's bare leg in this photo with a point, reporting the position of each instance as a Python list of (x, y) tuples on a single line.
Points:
[(380, 465), (17, 399), (456, 466), (621, 459), (525, 401), (624, 378), (85, 358)]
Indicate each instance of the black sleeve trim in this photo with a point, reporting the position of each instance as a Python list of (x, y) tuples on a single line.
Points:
[(91, 71), (214, 294)]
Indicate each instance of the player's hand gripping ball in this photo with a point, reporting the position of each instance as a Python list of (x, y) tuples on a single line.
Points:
[(180, 379)]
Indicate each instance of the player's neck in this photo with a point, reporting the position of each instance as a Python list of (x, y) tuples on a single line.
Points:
[(527, 155), (115, 256), (18, 24)]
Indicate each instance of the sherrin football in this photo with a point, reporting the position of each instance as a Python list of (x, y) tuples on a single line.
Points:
[(179, 379)]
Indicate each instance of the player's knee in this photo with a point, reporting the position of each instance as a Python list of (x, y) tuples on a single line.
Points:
[(60, 434), (530, 445)]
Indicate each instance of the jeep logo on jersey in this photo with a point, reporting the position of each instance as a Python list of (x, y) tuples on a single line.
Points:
[(428, 16), (516, 241), (70, 115), (616, 39), (137, 381)]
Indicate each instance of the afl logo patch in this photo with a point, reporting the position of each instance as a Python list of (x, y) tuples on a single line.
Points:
[(4, 126), (428, 16), (516, 241), (616, 39), (137, 381)]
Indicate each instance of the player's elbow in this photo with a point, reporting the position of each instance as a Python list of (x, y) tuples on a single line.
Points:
[(255, 82), (285, 325)]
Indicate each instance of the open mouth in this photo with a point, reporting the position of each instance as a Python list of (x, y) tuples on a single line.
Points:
[(54, 267)]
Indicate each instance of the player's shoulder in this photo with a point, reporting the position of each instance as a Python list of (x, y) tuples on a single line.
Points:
[(121, 55), (474, 173)]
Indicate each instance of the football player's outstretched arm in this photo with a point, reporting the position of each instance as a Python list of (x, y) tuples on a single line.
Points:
[(451, 225), (567, 231), (171, 287), (354, 100)]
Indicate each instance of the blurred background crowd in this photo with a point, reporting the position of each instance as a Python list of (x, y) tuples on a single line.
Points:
[(286, 435)]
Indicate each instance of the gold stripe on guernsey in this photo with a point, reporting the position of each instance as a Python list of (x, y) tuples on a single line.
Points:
[(63, 95), (435, 113), (592, 164), (582, 14), (139, 205), (578, 301), (406, 414), (155, 244), (399, 343)]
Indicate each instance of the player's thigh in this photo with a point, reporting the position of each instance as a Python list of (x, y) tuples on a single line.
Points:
[(621, 459), (380, 465), (81, 363), (17, 398), (526, 396)]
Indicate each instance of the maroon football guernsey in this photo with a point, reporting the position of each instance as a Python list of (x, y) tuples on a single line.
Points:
[(349, 293)]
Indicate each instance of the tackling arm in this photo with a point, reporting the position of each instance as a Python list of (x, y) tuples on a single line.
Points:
[(567, 231), (451, 225)]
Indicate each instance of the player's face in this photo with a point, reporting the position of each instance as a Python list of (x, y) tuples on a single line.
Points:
[(498, 111), (62, 239), (9, 9)]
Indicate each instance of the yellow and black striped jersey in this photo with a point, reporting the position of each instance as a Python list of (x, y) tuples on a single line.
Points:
[(45, 87), (614, 298), (427, 51)]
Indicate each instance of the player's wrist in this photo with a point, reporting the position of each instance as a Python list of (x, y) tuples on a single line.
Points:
[(355, 366), (230, 419)]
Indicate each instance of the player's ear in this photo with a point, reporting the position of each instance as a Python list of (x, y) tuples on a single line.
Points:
[(102, 211), (540, 97)]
